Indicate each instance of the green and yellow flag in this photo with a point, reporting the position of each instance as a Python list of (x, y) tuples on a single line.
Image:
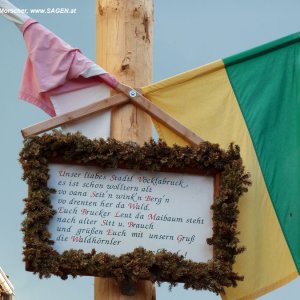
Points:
[(252, 99)]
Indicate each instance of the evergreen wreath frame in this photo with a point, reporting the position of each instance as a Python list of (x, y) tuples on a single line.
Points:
[(140, 264)]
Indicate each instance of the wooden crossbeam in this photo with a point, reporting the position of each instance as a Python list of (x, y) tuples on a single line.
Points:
[(127, 94), (154, 111), (77, 114)]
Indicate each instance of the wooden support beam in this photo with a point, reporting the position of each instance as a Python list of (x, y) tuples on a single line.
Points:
[(147, 106), (127, 95), (77, 114), (167, 120)]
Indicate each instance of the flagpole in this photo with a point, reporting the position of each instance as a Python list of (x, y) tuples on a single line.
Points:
[(124, 48)]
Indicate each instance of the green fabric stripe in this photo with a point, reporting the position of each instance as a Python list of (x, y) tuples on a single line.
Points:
[(263, 49), (267, 87)]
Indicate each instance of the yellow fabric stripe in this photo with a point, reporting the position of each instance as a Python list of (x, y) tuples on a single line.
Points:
[(203, 100)]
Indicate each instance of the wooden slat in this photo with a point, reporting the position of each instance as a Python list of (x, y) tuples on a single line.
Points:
[(160, 115), (167, 120), (118, 99), (85, 111)]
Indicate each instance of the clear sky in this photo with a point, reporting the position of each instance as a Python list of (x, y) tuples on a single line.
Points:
[(187, 34)]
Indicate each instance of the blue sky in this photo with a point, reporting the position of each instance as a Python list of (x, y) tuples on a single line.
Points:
[(187, 34)]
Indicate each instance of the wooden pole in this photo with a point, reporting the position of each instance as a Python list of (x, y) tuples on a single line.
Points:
[(124, 48)]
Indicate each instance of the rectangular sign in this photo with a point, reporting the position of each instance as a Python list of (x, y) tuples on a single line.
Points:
[(105, 208), (118, 210)]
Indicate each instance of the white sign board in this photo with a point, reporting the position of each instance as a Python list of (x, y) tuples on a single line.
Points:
[(117, 210)]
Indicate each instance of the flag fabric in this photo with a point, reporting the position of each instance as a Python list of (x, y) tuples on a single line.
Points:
[(54, 67), (253, 100), (59, 78)]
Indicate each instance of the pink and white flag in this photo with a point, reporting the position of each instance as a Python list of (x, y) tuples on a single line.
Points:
[(59, 78)]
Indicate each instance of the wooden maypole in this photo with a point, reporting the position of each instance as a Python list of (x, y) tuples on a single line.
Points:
[(124, 48)]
